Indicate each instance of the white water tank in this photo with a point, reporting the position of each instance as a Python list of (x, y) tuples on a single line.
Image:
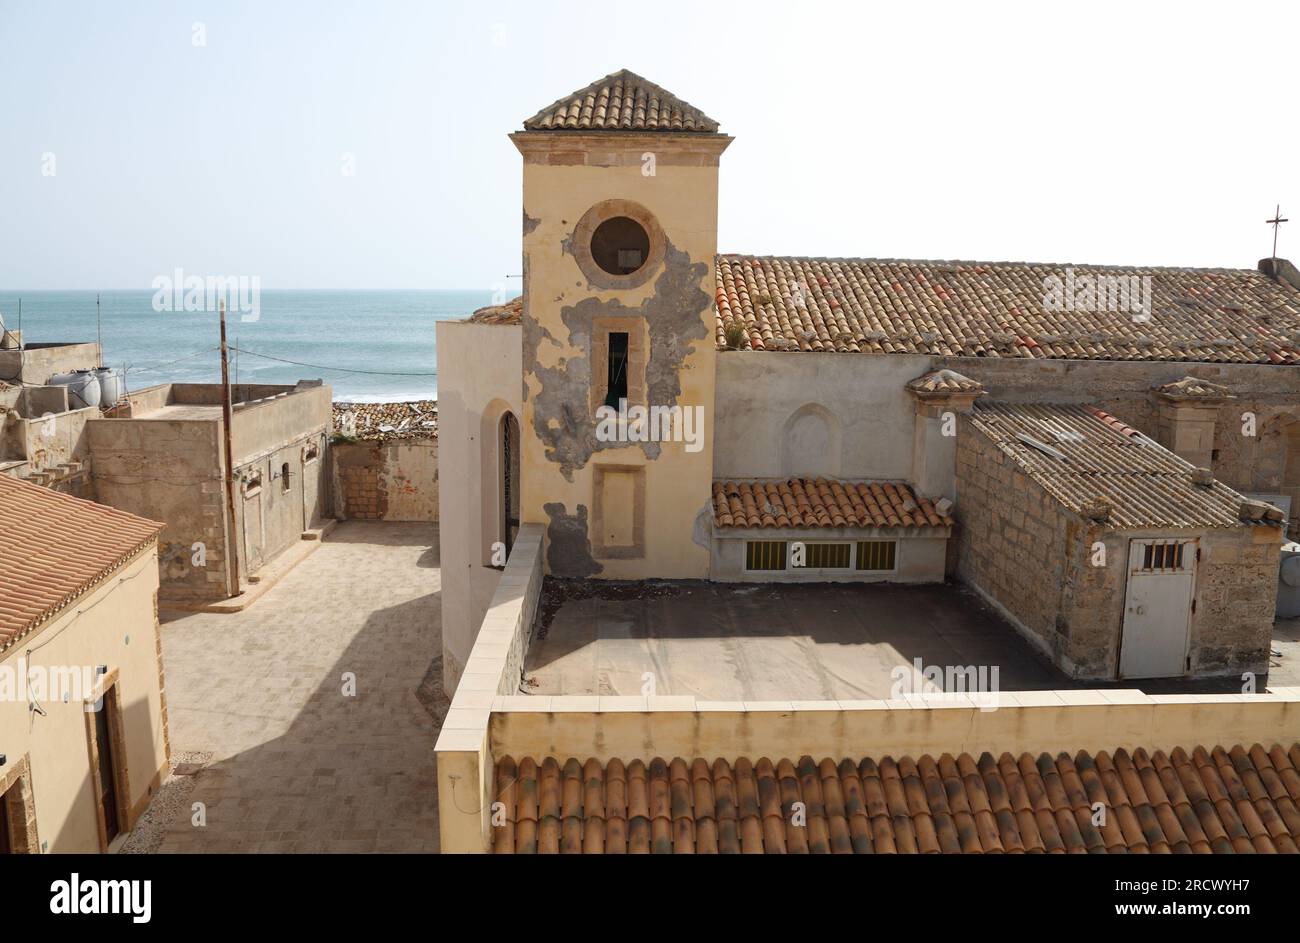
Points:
[(110, 387), (83, 387), (1288, 583)]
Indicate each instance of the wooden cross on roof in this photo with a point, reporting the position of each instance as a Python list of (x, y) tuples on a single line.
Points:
[(1275, 222)]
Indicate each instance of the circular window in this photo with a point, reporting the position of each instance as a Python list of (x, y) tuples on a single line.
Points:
[(620, 245)]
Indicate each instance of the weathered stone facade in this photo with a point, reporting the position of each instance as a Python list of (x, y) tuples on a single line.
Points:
[(386, 481), (1035, 560), (1006, 525), (361, 495), (1256, 431)]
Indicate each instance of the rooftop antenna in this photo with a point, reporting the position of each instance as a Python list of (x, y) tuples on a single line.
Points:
[(99, 333), (1277, 220)]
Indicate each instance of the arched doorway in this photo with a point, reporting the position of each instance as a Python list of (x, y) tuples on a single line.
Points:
[(508, 437)]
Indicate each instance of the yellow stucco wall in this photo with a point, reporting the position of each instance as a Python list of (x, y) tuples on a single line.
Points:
[(564, 177), (115, 625)]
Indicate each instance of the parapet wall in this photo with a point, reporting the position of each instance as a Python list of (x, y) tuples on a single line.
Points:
[(494, 668)]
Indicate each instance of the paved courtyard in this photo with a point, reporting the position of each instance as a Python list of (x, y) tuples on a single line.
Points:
[(298, 762)]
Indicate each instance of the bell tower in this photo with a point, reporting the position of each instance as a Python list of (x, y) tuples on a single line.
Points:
[(619, 237)]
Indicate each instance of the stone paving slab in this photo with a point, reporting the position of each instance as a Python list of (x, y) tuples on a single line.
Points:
[(298, 765)]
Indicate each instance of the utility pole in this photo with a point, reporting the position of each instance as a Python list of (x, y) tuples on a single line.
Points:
[(227, 410)]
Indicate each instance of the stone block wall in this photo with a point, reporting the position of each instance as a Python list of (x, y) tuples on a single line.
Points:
[(386, 480), (363, 497), (1038, 562), (1012, 540), (1236, 599)]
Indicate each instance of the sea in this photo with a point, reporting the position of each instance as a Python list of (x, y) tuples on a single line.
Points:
[(371, 346)]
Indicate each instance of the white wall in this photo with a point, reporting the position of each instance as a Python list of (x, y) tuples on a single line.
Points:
[(480, 376), (868, 415)]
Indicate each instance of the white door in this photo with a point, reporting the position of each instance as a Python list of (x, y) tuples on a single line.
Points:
[(1157, 608)]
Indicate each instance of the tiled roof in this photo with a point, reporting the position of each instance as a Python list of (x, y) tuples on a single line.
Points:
[(1092, 459), (804, 502), (53, 548), (1193, 388), (1203, 801), (622, 101), (945, 381), (385, 421), (999, 309), (511, 312)]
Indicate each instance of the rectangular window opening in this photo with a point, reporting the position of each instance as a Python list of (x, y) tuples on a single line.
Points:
[(1162, 557), (765, 554), (616, 386), (827, 556), (876, 554)]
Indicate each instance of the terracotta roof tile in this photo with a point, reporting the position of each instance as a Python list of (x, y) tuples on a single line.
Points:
[(1192, 388), (622, 101), (512, 312), (944, 381), (54, 548), (998, 309), (387, 421), (821, 502), (1217, 800)]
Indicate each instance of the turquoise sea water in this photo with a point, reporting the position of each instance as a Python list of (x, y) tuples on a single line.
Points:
[(348, 332)]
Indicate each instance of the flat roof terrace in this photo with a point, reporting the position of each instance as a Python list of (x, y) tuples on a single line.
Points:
[(764, 642)]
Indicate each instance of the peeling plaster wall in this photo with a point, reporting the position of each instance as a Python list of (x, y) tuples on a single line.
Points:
[(564, 177)]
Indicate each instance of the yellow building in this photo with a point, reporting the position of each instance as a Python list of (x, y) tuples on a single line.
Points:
[(83, 717), (620, 233)]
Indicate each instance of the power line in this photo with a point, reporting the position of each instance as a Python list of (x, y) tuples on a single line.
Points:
[(348, 370), (160, 366)]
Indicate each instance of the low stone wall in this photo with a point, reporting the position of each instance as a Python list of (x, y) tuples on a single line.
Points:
[(629, 728), (386, 480), (494, 668)]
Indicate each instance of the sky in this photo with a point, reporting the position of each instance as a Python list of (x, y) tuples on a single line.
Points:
[(364, 144)]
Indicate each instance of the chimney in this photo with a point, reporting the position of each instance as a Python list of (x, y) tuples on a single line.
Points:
[(1281, 270)]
